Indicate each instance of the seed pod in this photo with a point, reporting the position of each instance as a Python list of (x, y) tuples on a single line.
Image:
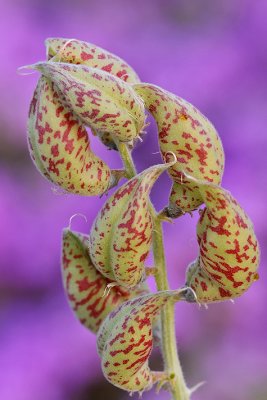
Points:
[(60, 148), (120, 238), (85, 286), (75, 51), (99, 99), (79, 52), (228, 249), (187, 133), (125, 341), (32, 132)]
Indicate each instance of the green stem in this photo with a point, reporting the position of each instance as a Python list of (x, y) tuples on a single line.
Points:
[(126, 159), (169, 348)]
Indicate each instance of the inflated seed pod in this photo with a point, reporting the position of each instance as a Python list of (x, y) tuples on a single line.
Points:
[(85, 287), (79, 52), (183, 130), (120, 238), (228, 249), (125, 342), (32, 134), (59, 145), (99, 99)]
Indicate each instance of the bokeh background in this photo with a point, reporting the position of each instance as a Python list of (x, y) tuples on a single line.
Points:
[(214, 54)]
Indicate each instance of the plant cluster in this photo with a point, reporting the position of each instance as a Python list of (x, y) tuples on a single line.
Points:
[(104, 273)]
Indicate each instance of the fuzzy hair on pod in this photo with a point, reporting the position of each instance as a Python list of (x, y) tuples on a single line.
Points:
[(60, 147), (183, 130), (125, 341), (121, 236), (228, 249), (85, 287), (100, 100), (75, 51)]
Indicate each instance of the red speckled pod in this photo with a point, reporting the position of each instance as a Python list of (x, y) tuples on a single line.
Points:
[(228, 249), (85, 286), (79, 52), (121, 236), (187, 133), (125, 341), (99, 99), (60, 147)]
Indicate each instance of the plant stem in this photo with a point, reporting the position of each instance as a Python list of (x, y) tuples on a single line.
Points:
[(126, 159), (172, 364), (169, 347)]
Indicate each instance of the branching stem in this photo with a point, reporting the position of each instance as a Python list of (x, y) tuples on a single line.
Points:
[(172, 364)]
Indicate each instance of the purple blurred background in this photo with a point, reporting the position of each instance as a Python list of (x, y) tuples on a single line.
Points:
[(214, 54)]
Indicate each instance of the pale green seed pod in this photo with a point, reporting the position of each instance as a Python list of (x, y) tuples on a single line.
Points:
[(80, 52), (100, 100), (32, 133), (60, 147), (125, 342), (87, 290), (187, 133), (228, 249), (120, 238), (75, 51)]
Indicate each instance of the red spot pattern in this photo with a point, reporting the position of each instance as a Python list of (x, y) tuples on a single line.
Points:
[(57, 139), (85, 89), (228, 248), (184, 131), (80, 52), (85, 286), (136, 317), (86, 56), (121, 236)]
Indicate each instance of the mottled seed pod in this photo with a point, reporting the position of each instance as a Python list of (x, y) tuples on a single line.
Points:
[(125, 341), (85, 286), (228, 249), (183, 130), (79, 52), (100, 100), (120, 238), (59, 145), (75, 51)]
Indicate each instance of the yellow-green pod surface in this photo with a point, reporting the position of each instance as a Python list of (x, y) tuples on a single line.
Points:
[(125, 341), (228, 249), (99, 99), (120, 238), (80, 52), (185, 131), (60, 147), (75, 51), (86, 289)]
